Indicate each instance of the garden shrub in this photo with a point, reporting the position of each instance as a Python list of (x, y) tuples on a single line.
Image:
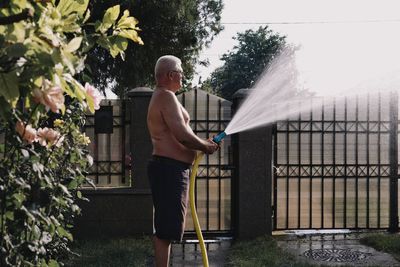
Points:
[(44, 94)]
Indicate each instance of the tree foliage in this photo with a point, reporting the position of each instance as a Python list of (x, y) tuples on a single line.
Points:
[(44, 160), (244, 64), (177, 27)]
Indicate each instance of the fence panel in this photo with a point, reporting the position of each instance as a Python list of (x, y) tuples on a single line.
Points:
[(109, 147), (333, 165)]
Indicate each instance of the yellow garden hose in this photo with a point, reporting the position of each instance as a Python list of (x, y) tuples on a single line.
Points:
[(193, 208)]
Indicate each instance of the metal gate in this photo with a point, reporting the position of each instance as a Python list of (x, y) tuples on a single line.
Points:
[(336, 166), (209, 116)]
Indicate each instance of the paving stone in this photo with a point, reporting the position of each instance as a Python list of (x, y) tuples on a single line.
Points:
[(335, 250), (188, 253)]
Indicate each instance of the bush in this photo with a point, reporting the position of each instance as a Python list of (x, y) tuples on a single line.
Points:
[(43, 155)]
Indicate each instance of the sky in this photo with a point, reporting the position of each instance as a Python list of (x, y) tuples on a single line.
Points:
[(343, 42)]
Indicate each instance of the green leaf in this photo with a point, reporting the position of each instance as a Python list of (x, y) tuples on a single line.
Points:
[(79, 90), (9, 87), (4, 108), (66, 88), (86, 78), (64, 189), (19, 197), (87, 16), (53, 263), (9, 215), (20, 3), (17, 50), (74, 44), (67, 7), (119, 44), (73, 184), (16, 32), (109, 18), (25, 153), (127, 22), (64, 233), (132, 35)]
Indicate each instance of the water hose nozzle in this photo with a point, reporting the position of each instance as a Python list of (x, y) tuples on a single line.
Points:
[(218, 138)]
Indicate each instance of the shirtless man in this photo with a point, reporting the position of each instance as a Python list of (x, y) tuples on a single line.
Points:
[(174, 150)]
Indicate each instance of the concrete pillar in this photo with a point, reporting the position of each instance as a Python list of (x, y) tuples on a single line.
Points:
[(140, 142), (253, 179), (141, 150)]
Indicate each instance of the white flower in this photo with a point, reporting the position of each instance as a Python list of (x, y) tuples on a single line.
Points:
[(50, 96), (94, 94)]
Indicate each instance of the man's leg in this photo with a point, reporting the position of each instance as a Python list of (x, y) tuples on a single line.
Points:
[(161, 250)]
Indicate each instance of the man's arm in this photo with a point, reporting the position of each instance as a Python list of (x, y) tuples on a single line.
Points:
[(173, 117)]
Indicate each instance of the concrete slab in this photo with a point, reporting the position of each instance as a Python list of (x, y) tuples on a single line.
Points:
[(188, 254), (335, 250)]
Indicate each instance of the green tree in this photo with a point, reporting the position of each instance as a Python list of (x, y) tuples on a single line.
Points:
[(43, 160), (177, 27), (244, 64)]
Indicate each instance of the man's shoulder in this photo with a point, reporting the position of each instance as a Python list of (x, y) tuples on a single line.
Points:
[(164, 96)]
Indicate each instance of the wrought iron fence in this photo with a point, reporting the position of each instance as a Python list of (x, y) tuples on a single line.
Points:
[(334, 166), (108, 129)]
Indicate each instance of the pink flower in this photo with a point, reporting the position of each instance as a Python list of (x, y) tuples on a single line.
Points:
[(94, 94), (26, 132), (50, 96), (48, 136)]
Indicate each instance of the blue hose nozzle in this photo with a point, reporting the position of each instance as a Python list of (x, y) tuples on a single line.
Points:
[(218, 138)]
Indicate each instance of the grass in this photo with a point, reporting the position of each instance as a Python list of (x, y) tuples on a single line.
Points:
[(385, 242), (114, 252), (262, 251)]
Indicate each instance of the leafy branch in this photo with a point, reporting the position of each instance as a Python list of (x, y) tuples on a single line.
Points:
[(25, 14)]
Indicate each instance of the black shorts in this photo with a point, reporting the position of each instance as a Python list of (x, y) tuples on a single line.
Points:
[(169, 182)]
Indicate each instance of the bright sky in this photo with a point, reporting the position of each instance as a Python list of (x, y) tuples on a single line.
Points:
[(343, 41)]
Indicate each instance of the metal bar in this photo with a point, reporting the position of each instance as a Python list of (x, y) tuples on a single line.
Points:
[(345, 167), (123, 151), (109, 150), (379, 158), (310, 165), (287, 175), (351, 166), (356, 210), (368, 163), (96, 155), (334, 165), (219, 167), (207, 163), (275, 174), (299, 175), (183, 100), (195, 130), (322, 161), (393, 148)]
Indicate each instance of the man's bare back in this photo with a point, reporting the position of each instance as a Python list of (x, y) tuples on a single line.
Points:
[(168, 120)]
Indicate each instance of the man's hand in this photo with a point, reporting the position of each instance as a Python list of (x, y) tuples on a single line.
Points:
[(210, 147)]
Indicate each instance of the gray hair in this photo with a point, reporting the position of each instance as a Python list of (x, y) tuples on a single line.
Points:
[(165, 64)]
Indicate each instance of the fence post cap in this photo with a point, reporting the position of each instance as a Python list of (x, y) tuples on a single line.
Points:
[(139, 91), (241, 93)]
